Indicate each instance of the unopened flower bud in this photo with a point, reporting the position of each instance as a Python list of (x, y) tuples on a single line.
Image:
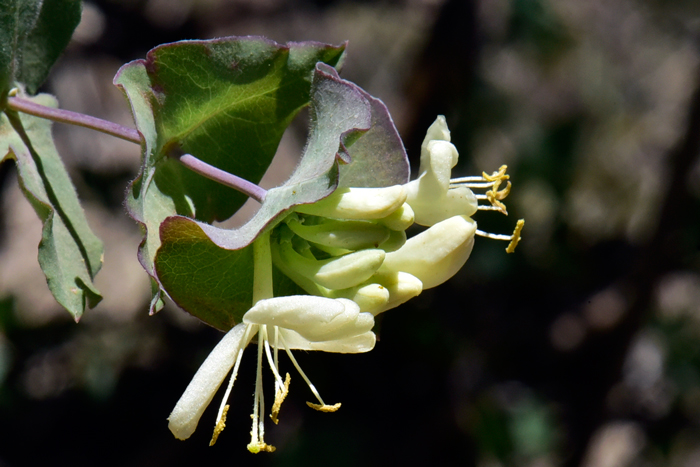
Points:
[(370, 298), (401, 219), (357, 203), (334, 273), (350, 235), (396, 240), (401, 286), (435, 255)]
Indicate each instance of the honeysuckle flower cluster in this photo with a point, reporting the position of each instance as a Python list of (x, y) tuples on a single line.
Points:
[(350, 252)]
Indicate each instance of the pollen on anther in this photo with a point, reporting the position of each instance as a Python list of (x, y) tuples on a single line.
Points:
[(324, 407), (219, 427), (516, 236), (279, 398)]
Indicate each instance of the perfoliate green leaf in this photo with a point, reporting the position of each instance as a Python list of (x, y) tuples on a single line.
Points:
[(69, 253), (33, 33), (209, 271), (378, 158), (225, 101)]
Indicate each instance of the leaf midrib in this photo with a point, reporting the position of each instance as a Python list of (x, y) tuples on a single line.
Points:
[(184, 134)]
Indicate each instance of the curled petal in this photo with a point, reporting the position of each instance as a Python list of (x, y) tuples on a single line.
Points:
[(356, 344), (316, 319), (188, 410), (430, 195)]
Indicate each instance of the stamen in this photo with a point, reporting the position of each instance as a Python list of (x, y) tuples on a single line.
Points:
[(220, 425), (513, 239), (280, 395), (329, 408), (494, 236), (516, 236), (457, 182), (221, 417), (473, 178), (273, 366), (485, 207), (275, 346), (257, 442)]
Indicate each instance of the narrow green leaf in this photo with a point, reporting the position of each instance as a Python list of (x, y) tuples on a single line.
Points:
[(69, 253), (47, 40), (207, 270), (227, 102), (17, 19), (33, 33)]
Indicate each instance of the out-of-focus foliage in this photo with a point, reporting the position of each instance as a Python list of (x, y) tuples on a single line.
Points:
[(580, 349)]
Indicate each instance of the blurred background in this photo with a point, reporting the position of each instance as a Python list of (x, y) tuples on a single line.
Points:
[(581, 349)]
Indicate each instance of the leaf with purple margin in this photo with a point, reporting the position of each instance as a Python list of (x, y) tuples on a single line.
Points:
[(227, 102), (207, 270)]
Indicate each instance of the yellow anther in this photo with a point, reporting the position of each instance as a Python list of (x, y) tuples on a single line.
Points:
[(324, 407), (219, 427), (262, 446), (516, 236), (502, 194), (499, 175), (279, 398), (494, 197)]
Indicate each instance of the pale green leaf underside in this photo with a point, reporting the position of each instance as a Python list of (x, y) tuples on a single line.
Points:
[(69, 253)]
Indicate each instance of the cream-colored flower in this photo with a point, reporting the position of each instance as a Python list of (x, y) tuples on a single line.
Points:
[(281, 323), (349, 251)]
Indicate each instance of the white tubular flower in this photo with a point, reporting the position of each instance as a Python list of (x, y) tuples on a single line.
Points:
[(435, 255), (281, 323), (185, 416)]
